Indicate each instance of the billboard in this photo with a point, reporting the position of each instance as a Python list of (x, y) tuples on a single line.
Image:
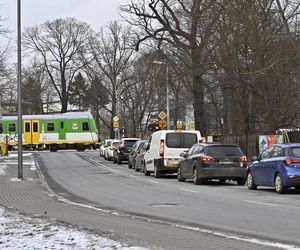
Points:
[(267, 140)]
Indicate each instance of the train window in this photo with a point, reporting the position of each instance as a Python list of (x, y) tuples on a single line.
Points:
[(1, 128), (27, 127), (62, 125), (85, 126), (12, 127), (35, 127), (50, 126)]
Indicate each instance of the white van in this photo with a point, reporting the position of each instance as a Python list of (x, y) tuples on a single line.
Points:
[(164, 148)]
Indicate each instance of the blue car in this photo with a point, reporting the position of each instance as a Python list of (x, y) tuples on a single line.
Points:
[(278, 166)]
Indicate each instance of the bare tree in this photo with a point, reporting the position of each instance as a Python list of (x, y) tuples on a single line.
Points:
[(113, 57), (61, 44), (186, 25)]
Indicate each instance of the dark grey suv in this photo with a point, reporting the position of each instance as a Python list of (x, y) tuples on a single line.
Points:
[(203, 162)]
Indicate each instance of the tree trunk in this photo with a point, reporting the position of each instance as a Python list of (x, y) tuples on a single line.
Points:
[(198, 104)]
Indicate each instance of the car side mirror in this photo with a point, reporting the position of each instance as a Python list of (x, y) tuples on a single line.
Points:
[(183, 154)]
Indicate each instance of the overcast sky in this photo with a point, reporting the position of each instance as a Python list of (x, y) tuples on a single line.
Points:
[(97, 13)]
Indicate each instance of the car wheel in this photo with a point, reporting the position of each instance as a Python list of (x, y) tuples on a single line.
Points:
[(135, 168), (157, 173), (146, 173), (196, 180), (278, 183), (241, 181), (129, 165), (250, 182), (297, 188), (179, 175), (119, 161)]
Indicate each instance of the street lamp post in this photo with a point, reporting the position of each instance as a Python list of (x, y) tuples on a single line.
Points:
[(167, 91)]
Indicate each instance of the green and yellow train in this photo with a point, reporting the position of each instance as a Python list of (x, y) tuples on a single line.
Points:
[(71, 130)]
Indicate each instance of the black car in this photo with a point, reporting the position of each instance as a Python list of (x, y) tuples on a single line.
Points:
[(203, 162), (124, 149), (133, 153), (139, 163)]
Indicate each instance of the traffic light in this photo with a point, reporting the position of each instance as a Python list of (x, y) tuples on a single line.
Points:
[(153, 127)]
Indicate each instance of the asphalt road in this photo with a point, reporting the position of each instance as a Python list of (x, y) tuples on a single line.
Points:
[(222, 210)]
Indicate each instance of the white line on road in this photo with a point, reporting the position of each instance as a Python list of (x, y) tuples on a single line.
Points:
[(188, 190), (104, 167), (241, 238), (156, 182), (262, 203)]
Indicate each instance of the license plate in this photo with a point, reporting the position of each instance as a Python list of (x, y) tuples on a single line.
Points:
[(172, 162), (226, 162)]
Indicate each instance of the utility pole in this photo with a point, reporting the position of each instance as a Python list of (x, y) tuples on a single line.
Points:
[(20, 145), (167, 91)]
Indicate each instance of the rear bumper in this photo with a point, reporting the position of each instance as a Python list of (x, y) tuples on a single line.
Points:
[(228, 172), (166, 165), (123, 156)]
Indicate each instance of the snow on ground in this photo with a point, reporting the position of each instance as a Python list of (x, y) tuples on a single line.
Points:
[(18, 231)]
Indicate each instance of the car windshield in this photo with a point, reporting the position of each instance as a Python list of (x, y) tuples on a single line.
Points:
[(181, 140), (223, 151), (294, 152), (130, 143)]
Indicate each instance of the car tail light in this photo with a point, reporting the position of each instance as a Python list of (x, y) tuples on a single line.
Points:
[(288, 161), (294, 177), (243, 159), (206, 158), (161, 148)]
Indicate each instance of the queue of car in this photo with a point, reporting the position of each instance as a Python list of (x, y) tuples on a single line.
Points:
[(184, 153)]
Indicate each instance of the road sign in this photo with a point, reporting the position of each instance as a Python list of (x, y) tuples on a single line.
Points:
[(162, 115), (116, 119), (116, 124), (179, 125), (162, 124)]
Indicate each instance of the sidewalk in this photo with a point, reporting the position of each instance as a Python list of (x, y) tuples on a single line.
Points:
[(45, 227)]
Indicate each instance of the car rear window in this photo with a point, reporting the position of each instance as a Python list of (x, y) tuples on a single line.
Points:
[(223, 151), (181, 140), (129, 143), (295, 152)]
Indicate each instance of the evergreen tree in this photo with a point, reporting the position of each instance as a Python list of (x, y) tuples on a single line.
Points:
[(77, 91)]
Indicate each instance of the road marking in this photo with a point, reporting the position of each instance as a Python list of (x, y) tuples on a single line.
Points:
[(241, 238), (104, 167), (189, 190), (262, 203), (156, 182)]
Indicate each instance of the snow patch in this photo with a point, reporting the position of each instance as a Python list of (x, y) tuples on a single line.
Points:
[(22, 232)]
